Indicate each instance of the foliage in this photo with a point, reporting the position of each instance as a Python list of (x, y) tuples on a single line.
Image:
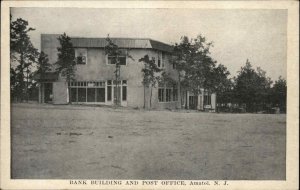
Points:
[(22, 57), (194, 63), (43, 64), (150, 77), (221, 84), (115, 52), (252, 87), (197, 70), (166, 79), (279, 94), (66, 64)]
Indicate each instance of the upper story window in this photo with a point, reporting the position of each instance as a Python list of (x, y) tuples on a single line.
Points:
[(81, 56), (112, 59), (163, 57), (160, 60)]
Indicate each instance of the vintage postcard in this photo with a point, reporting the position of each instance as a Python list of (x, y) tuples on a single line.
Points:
[(149, 95)]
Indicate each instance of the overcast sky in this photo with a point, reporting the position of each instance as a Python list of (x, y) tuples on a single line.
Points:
[(259, 35)]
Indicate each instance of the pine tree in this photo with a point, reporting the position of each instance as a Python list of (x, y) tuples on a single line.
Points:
[(22, 56), (66, 64), (115, 52), (43, 64)]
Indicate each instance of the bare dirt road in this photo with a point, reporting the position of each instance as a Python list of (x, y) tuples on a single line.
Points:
[(79, 142)]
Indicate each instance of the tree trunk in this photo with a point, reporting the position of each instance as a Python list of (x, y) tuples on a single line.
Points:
[(151, 97), (186, 99), (22, 86), (179, 89), (144, 97), (69, 92), (27, 94), (217, 107), (203, 99)]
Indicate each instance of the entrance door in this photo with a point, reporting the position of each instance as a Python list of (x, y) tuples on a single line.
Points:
[(117, 95), (193, 102), (48, 92)]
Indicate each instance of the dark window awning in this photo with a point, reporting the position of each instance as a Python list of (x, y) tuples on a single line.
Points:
[(46, 77)]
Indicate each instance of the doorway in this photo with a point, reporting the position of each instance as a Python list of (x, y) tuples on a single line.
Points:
[(117, 95), (48, 92), (193, 102)]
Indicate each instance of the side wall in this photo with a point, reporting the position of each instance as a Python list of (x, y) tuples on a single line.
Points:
[(60, 93)]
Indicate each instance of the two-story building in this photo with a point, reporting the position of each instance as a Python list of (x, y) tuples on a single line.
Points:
[(95, 75)]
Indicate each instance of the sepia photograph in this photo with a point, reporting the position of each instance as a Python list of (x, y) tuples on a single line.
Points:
[(154, 96)]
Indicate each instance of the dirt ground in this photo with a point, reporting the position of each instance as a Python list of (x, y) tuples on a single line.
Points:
[(80, 142)]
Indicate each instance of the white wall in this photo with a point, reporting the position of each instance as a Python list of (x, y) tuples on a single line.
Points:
[(60, 93)]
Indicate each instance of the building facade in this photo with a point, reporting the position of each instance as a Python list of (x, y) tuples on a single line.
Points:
[(95, 75)]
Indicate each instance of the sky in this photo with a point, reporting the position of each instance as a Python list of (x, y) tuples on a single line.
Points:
[(259, 35)]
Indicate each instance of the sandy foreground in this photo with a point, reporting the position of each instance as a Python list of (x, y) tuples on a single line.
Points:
[(80, 142)]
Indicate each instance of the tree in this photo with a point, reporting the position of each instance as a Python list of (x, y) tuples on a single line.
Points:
[(150, 77), (43, 64), (194, 64), (115, 52), (263, 89), (14, 85), (179, 60), (22, 57), (252, 87), (221, 84), (66, 64), (279, 91)]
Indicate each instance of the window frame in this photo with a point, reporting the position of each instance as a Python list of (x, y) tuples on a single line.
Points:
[(76, 85), (160, 61), (163, 95), (124, 56), (207, 100), (79, 51), (169, 94), (168, 89)]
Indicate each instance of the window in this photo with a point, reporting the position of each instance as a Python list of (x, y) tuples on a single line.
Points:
[(109, 90), (163, 59), (160, 60), (124, 93), (81, 94), (161, 94), (112, 59), (124, 90), (81, 56), (168, 94), (81, 60), (175, 93), (100, 95), (207, 100), (73, 95), (87, 91), (91, 94), (122, 60)]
